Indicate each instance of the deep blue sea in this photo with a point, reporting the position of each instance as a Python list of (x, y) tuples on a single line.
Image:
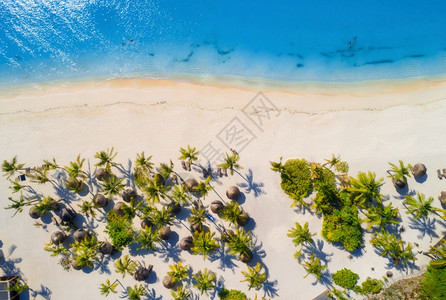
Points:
[(317, 40)]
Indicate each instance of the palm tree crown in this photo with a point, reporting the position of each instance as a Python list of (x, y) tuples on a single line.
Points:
[(382, 216), (255, 276), (231, 163), (9, 168), (365, 189), (419, 207), (190, 154), (205, 281), (204, 243), (301, 234), (106, 158)]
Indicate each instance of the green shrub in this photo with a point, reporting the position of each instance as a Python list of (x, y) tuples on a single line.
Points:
[(327, 198), (345, 278), (296, 179), (119, 229), (433, 284), (325, 176), (369, 286), (343, 226), (225, 294)]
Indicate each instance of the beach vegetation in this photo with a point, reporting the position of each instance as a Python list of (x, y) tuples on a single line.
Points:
[(388, 244), (19, 204), (143, 163), (136, 292), (166, 169), (17, 187), (301, 234), (125, 265), (365, 189), (119, 229), (345, 278), (399, 174), (106, 158), (204, 243), (314, 267), (46, 204), (17, 285), (381, 216), (439, 253), (433, 284), (369, 286), (226, 294), (231, 163), (148, 238), (40, 176), (178, 272), (296, 180), (205, 281), (203, 187), (85, 251), (108, 287), (161, 217), (232, 212), (419, 207), (180, 293), (240, 243), (10, 168), (87, 208), (255, 277), (75, 168), (189, 154), (112, 185), (277, 166), (154, 189), (180, 195), (197, 218)]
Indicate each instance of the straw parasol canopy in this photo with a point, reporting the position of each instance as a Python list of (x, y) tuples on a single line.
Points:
[(191, 183), (186, 243), (74, 182), (79, 235), (142, 274), (217, 206), (225, 234), (146, 223), (58, 237), (400, 183), (165, 232), (67, 214), (119, 208), (419, 170), (168, 282), (76, 265), (100, 200), (442, 198), (34, 213), (233, 193), (106, 248), (244, 219), (246, 257), (389, 274), (102, 174), (128, 195)]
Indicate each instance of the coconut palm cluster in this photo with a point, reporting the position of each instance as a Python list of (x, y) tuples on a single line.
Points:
[(140, 205)]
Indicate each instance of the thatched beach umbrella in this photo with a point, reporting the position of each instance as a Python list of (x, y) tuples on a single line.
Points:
[(165, 232), (119, 208), (100, 200), (67, 215), (217, 206), (74, 183), (146, 223), (400, 183), (225, 234), (246, 257), (419, 170), (102, 174), (142, 274), (233, 193), (34, 213), (389, 274), (191, 183), (79, 235), (442, 198), (168, 282), (186, 243), (58, 237), (244, 219), (106, 248), (76, 265), (128, 195)]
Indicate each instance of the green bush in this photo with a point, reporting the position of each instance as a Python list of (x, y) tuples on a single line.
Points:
[(345, 278), (327, 198), (225, 294), (119, 229), (325, 176), (369, 286), (296, 179), (343, 226), (433, 284)]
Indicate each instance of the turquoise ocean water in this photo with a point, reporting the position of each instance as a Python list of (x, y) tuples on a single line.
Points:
[(296, 41)]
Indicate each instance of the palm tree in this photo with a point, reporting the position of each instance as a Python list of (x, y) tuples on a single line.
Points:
[(232, 213), (125, 265), (180, 195), (166, 169), (19, 204), (231, 163), (148, 238), (440, 256), (46, 204), (51, 165), (277, 167), (112, 185), (178, 272), (204, 243), (17, 286), (205, 281), (41, 177), (85, 251), (197, 218), (365, 189), (9, 168), (301, 235), (391, 246), (399, 174), (381, 216), (313, 266), (17, 187), (333, 162), (255, 276), (56, 249), (419, 207), (143, 163), (240, 244), (161, 217), (180, 294), (75, 168), (136, 292), (188, 154), (87, 208), (106, 158), (108, 287), (203, 187), (155, 190)]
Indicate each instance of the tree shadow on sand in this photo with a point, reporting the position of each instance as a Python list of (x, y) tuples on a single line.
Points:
[(426, 226), (167, 251), (316, 248), (43, 292), (226, 261), (250, 185)]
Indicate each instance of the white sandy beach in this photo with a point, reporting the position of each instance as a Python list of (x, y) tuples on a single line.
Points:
[(368, 125)]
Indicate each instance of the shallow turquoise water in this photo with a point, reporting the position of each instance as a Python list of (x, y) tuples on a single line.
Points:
[(327, 41)]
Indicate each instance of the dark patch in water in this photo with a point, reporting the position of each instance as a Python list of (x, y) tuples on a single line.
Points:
[(379, 48), (187, 58), (299, 65), (295, 55), (377, 62), (152, 54), (326, 54), (416, 56), (223, 52)]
